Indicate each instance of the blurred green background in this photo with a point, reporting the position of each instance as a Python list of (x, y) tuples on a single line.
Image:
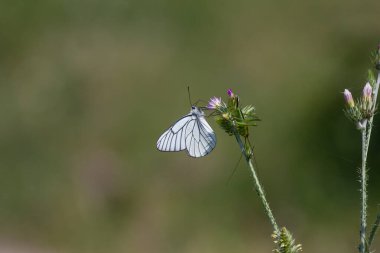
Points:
[(87, 87)]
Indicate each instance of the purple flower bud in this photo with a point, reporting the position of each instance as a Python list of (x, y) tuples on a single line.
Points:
[(214, 103), (348, 97), (230, 93), (367, 92)]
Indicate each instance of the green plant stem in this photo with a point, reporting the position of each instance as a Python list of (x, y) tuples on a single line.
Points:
[(363, 180), (259, 189), (373, 231), (366, 136)]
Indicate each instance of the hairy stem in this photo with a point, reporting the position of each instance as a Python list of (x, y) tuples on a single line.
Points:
[(366, 136), (363, 189), (259, 189)]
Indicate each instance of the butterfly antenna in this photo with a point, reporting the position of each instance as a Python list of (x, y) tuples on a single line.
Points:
[(188, 92)]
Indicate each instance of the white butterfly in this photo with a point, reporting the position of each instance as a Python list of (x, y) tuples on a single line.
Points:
[(191, 132)]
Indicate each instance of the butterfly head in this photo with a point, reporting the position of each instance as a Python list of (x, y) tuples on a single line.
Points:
[(196, 111)]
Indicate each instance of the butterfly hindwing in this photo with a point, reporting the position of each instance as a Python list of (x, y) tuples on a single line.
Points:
[(201, 139)]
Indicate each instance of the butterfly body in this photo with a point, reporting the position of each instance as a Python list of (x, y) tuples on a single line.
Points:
[(191, 133)]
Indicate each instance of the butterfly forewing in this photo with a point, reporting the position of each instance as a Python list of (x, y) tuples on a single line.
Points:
[(181, 123), (191, 132), (174, 138)]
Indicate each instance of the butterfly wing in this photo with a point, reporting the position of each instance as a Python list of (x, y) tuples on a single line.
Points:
[(191, 132), (174, 139), (200, 138)]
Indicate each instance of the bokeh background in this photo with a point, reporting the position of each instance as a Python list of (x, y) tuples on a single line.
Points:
[(88, 86)]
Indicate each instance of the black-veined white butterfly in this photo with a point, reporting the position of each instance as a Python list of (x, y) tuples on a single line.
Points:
[(191, 132)]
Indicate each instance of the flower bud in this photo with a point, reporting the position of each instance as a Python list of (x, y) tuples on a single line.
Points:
[(348, 97), (230, 93), (367, 92)]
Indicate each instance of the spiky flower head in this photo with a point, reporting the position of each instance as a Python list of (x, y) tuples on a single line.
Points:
[(231, 116), (285, 242), (363, 109)]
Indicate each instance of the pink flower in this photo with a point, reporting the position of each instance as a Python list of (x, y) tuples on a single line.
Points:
[(348, 97), (214, 103)]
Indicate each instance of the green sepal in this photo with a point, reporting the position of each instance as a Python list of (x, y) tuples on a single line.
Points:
[(371, 78)]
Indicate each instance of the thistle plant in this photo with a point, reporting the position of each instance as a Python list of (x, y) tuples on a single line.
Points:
[(361, 113), (236, 120)]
